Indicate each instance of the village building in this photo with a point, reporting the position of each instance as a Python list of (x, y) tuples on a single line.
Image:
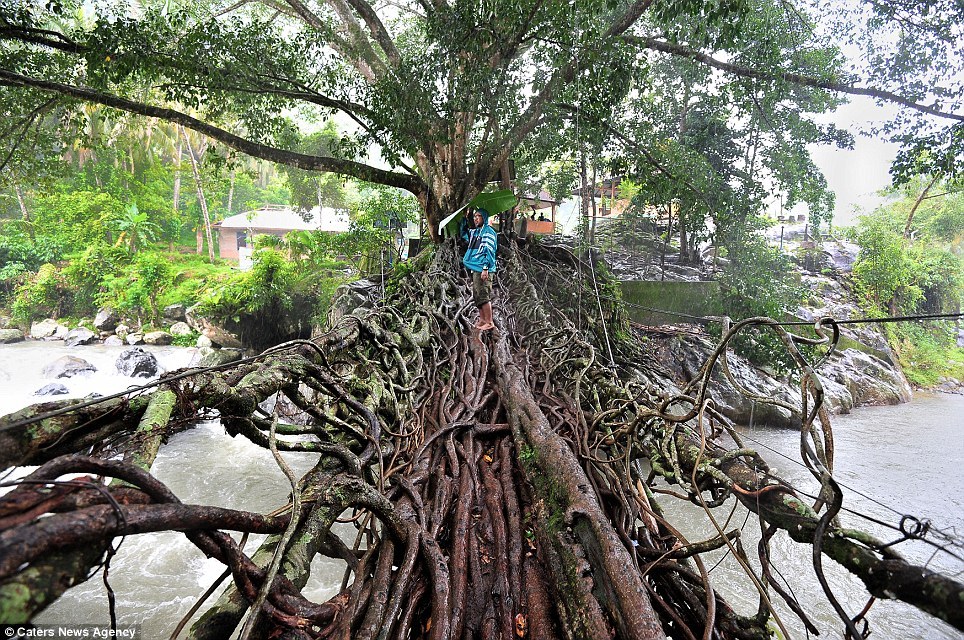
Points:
[(236, 233), (539, 212), (609, 204)]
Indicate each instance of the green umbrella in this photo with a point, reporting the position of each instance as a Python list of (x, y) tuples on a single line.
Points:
[(451, 223)]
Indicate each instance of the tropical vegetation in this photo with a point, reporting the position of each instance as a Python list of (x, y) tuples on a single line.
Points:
[(911, 263)]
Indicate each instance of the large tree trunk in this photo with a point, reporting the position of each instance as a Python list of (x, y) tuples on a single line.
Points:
[(499, 479)]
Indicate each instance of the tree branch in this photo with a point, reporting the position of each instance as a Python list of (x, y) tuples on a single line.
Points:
[(100, 523), (368, 65), (377, 29), (531, 118), (793, 78), (653, 160), (50, 39), (298, 10), (351, 168), (23, 123), (304, 94)]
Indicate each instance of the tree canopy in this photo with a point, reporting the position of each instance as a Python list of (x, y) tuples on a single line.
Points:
[(447, 92)]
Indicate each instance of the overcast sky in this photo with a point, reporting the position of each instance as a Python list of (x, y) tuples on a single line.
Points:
[(856, 175)]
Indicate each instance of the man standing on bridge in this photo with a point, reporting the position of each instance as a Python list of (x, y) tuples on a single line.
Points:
[(479, 259)]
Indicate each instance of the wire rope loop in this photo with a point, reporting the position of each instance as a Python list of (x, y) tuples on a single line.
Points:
[(914, 528)]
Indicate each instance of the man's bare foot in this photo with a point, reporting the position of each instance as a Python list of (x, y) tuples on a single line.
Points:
[(485, 327)]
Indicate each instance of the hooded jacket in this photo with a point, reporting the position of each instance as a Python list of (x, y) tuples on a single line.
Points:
[(482, 246)]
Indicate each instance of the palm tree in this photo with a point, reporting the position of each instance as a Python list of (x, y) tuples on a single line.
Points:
[(135, 228)]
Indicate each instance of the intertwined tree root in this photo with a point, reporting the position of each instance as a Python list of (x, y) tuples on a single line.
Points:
[(500, 485)]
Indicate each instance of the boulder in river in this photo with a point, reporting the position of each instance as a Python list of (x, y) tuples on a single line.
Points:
[(137, 363), (134, 338), (68, 367), (219, 335), (106, 319), (121, 331), (175, 312), (192, 319), (52, 389), (216, 357), (44, 329), (158, 337), (79, 336), (10, 335), (180, 329), (113, 341)]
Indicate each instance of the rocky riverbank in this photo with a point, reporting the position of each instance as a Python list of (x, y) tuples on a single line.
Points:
[(851, 378), (862, 371), (214, 345)]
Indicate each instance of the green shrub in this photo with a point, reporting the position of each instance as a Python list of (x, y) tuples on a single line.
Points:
[(193, 274), (188, 340), (896, 276), (44, 295), (927, 352), (277, 300), (88, 272), (18, 247), (75, 218), (760, 281), (12, 275), (138, 286)]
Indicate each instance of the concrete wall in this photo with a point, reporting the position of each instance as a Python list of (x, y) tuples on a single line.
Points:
[(228, 244), (692, 298)]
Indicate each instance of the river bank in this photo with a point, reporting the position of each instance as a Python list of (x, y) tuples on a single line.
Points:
[(22, 365)]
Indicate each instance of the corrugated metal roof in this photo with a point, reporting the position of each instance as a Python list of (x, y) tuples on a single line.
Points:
[(287, 219)]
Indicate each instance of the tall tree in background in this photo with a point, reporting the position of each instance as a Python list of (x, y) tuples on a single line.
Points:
[(312, 189), (195, 157), (448, 92)]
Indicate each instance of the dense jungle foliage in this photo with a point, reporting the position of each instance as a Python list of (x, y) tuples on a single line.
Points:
[(100, 235), (911, 262)]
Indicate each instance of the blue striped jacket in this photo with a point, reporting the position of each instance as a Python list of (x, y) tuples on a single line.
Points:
[(481, 251)]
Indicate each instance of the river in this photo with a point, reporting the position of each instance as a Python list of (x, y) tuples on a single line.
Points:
[(892, 461), (905, 459)]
